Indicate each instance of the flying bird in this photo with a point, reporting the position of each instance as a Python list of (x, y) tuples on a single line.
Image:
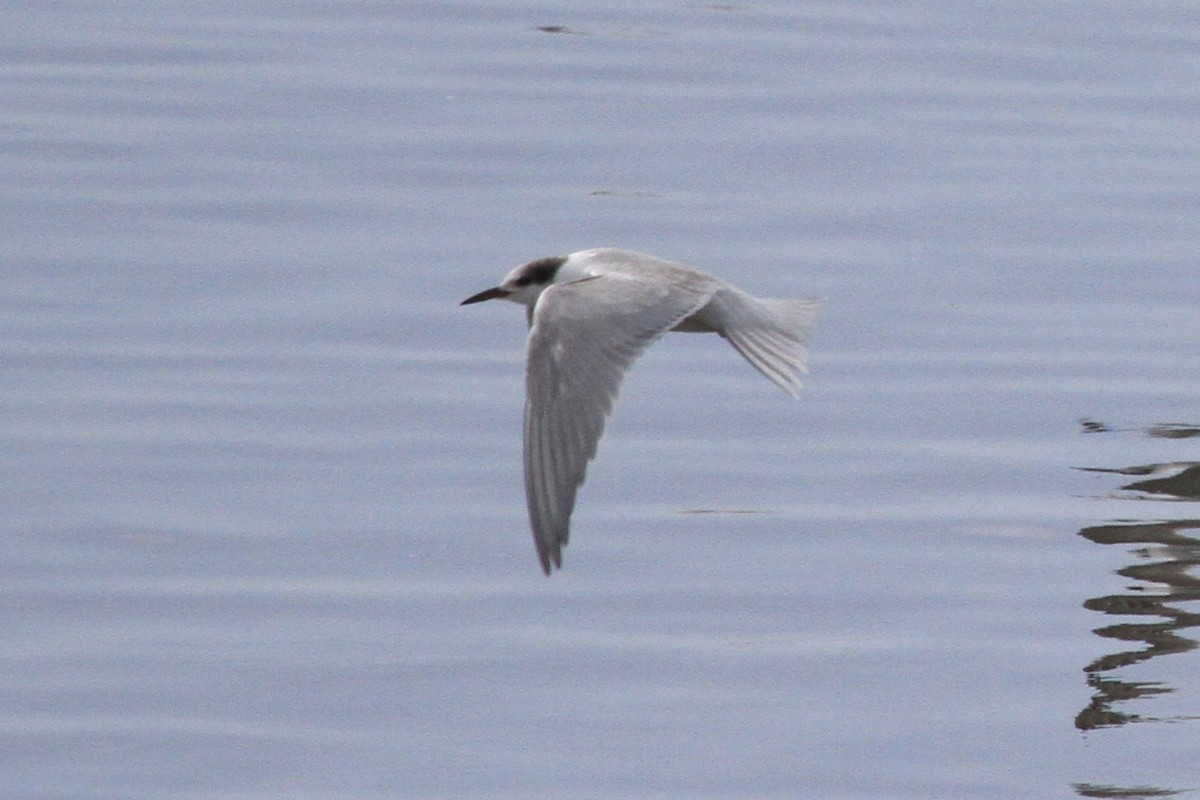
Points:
[(591, 314)]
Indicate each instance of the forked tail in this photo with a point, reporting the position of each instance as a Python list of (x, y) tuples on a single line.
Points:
[(773, 336)]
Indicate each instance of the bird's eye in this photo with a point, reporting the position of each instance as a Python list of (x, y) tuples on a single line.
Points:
[(524, 280)]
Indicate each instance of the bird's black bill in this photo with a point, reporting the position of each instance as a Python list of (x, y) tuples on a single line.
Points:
[(486, 294)]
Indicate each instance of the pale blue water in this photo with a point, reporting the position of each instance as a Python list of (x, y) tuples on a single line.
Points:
[(264, 532)]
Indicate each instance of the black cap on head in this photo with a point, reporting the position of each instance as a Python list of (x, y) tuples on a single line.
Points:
[(541, 271)]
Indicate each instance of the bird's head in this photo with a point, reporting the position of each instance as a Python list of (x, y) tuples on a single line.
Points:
[(524, 284)]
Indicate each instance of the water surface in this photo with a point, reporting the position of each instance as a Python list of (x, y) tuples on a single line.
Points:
[(265, 533)]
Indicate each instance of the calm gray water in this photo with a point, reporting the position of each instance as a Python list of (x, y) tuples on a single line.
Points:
[(263, 525)]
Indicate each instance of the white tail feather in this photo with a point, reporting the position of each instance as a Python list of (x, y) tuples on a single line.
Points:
[(773, 335)]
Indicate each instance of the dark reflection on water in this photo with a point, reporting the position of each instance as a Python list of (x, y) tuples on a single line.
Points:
[(1095, 790), (1159, 430), (1166, 554), (1163, 580), (1184, 485), (1178, 479)]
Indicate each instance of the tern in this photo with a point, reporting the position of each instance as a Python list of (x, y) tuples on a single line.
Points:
[(591, 314)]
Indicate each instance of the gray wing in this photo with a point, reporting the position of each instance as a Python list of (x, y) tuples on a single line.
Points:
[(584, 336)]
